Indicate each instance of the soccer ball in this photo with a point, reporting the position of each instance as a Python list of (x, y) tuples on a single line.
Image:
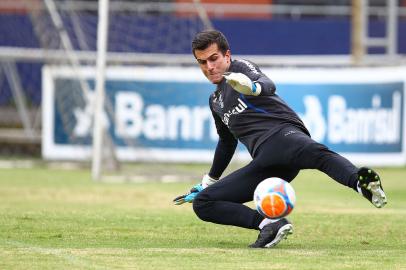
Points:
[(274, 198)]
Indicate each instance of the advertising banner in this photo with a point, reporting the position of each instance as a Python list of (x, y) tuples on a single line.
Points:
[(162, 113)]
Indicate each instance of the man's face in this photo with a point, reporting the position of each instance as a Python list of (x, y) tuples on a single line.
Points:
[(213, 63)]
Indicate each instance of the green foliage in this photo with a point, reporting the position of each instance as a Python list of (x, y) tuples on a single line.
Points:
[(60, 219)]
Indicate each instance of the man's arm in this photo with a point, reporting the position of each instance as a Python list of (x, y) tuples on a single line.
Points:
[(222, 156), (225, 149)]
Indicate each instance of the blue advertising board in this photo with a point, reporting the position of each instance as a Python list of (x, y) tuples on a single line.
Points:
[(162, 113), (362, 117)]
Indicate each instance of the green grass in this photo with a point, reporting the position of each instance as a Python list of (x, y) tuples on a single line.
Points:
[(59, 219)]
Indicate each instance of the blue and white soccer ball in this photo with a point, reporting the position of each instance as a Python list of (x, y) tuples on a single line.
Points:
[(274, 198)]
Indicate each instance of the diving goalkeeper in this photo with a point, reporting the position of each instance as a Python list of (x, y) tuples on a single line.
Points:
[(245, 107)]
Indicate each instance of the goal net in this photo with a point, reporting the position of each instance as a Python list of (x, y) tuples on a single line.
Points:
[(48, 54), (58, 42)]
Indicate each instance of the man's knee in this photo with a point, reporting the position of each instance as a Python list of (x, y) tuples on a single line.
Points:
[(202, 206), (314, 148), (311, 155)]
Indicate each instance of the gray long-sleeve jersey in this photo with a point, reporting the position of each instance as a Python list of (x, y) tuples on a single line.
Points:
[(249, 119)]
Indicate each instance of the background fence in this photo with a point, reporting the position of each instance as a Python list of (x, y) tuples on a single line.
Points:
[(36, 33)]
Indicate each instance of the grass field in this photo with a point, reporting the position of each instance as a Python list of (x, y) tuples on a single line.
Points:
[(60, 219)]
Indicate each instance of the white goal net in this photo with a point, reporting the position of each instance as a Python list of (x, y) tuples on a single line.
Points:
[(48, 54), (58, 41)]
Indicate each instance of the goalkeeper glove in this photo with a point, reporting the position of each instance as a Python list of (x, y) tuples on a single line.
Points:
[(241, 83), (190, 196)]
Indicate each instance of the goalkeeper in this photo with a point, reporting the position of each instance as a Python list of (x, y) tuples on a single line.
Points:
[(246, 107)]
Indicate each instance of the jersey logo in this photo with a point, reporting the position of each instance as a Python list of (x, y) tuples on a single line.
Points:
[(241, 106), (250, 66), (219, 101), (290, 132)]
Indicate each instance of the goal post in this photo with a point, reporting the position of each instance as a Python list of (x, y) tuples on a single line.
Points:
[(99, 129), (104, 143)]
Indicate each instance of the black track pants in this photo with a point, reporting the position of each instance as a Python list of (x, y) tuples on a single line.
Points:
[(282, 155)]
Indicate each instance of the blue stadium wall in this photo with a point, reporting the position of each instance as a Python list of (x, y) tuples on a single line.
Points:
[(262, 37)]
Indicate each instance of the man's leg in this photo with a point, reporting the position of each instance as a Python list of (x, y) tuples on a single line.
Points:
[(299, 150), (222, 203)]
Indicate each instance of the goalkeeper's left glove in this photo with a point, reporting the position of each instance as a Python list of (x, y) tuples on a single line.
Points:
[(241, 83)]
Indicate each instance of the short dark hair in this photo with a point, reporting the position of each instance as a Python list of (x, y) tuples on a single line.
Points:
[(205, 38)]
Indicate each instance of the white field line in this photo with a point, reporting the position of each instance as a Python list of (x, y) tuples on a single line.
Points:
[(57, 252)]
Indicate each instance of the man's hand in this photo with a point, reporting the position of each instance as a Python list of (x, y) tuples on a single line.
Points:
[(241, 83), (190, 196)]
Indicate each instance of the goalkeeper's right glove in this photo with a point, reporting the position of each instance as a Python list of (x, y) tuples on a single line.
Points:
[(190, 196), (242, 84)]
